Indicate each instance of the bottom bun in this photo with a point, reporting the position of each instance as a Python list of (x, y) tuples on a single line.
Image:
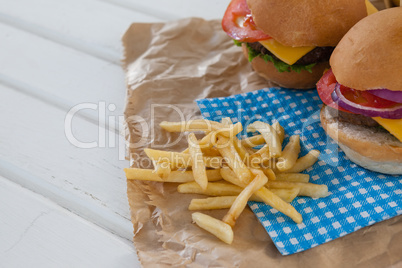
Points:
[(370, 147), (302, 80)]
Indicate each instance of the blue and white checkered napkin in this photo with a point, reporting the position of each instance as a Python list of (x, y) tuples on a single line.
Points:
[(358, 197)]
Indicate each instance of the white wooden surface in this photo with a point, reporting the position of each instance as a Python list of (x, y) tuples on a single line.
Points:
[(63, 206)]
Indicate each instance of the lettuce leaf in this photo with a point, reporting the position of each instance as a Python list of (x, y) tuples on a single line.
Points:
[(237, 43)]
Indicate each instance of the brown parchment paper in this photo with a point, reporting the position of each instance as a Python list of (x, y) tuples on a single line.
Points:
[(173, 64)]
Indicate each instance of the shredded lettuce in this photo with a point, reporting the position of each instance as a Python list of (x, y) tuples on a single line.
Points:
[(279, 65)]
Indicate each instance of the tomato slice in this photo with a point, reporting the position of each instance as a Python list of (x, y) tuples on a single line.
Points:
[(239, 25), (365, 98), (325, 87)]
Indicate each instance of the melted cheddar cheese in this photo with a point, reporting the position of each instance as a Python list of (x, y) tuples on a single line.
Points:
[(394, 126)]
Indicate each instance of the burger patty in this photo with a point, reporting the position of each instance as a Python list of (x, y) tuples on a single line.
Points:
[(318, 54), (356, 119)]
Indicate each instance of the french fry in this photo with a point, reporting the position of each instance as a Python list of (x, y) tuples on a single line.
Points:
[(271, 164), (306, 189), (213, 161), (241, 200), (241, 150), (253, 162), (226, 121), (270, 135), (236, 142), (210, 152), (293, 177), (205, 143), (218, 202), (216, 227), (162, 169), (228, 151), (191, 125), (198, 165), (286, 195), (230, 176), (174, 176), (266, 196), (229, 131), (253, 141), (213, 189), (305, 162), (269, 173), (261, 156), (222, 202), (227, 189), (264, 150), (290, 154), (180, 160), (249, 150), (276, 202), (280, 130), (267, 158), (202, 125), (244, 155)]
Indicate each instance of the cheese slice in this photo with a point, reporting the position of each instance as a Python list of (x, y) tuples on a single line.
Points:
[(286, 54), (292, 54), (370, 8), (394, 126)]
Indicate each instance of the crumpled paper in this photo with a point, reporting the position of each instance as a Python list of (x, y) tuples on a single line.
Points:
[(168, 66)]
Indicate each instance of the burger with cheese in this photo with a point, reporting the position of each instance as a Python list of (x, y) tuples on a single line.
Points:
[(362, 93), (290, 42)]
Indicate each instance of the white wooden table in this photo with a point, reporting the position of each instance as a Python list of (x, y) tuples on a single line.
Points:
[(60, 205)]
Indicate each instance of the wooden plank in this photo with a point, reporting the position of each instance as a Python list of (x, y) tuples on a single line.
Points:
[(36, 153), (37, 233), (67, 73), (95, 27), (56, 55), (72, 17), (89, 22), (171, 10), (50, 68)]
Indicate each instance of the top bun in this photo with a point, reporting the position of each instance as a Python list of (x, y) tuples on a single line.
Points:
[(369, 56), (307, 23)]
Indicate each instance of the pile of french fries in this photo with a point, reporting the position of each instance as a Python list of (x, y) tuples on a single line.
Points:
[(232, 172)]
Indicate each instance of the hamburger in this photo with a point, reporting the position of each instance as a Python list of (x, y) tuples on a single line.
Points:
[(362, 93), (290, 42)]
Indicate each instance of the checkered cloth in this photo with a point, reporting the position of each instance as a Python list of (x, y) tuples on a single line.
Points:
[(358, 197)]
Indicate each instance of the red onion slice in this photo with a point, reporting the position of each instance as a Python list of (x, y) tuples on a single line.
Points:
[(387, 94), (390, 113)]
